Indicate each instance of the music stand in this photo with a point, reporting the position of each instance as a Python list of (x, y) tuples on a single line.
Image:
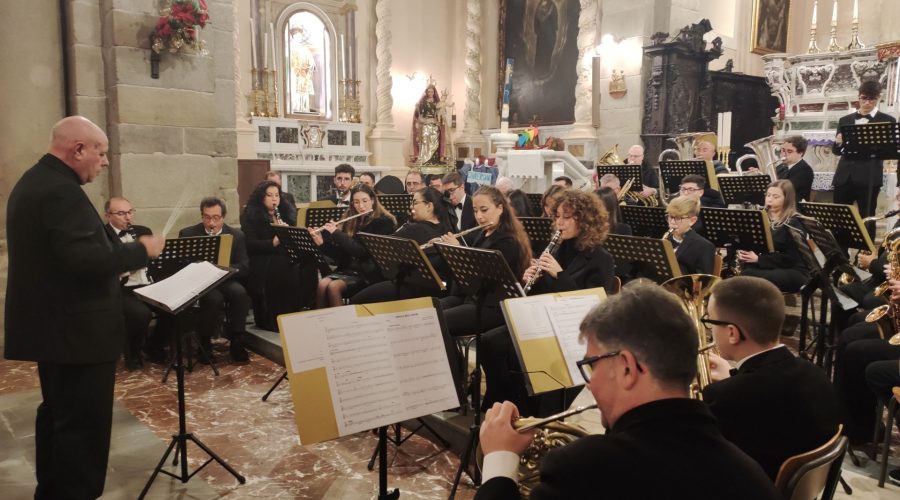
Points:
[(403, 261), (534, 199), (744, 189), (673, 171), (624, 173), (178, 253), (301, 248), (180, 440), (397, 204), (539, 231), (843, 221), (871, 141), (317, 217), (649, 222), (737, 229), (651, 258), (483, 274)]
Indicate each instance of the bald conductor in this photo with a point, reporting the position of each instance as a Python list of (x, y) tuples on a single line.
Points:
[(63, 307)]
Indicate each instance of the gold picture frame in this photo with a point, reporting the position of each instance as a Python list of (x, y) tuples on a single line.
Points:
[(771, 25)]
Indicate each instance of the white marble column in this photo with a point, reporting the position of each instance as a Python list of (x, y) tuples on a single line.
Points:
[(386, 142), (582, 130), (471, 135)]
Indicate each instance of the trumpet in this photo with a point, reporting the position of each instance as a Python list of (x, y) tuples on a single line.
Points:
[(319, 229), (551, 247), (460, 234), (526, 424)]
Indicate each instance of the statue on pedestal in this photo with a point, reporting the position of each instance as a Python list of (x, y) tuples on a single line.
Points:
[(429, 129)]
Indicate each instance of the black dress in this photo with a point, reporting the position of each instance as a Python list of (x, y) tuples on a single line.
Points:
[(354, 264), (784, 267)]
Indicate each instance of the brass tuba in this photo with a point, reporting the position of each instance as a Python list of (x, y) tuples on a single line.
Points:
[(693, 290), (611, 157), (685, 146), (767, 154), (887, 317)]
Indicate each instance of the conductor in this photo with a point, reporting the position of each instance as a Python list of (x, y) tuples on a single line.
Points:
[(64, 307)]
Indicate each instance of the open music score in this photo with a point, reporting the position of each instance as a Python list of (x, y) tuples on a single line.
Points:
[(355, 368)]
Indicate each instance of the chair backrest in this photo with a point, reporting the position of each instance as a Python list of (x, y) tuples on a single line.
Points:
[(717, 265), (804, 476)]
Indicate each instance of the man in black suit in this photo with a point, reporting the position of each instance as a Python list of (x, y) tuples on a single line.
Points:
[(795, 168), (119, 220), (774, 405), (695, 186), (64, 309), (860, 180), (649, 178), (230, 295), (658, 444), (288, 198), (462, 215), (343, 178)]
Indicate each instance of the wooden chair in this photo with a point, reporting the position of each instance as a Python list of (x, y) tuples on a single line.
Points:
[(717, 264), (618, 285), (805, 476), (888, 427)]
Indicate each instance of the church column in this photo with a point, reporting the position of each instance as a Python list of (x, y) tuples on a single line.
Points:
[(583, 133), (471, 138), (386, 143)]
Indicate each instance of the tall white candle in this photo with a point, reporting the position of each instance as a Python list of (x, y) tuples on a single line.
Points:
[(815, 12), (727, 130), (252, 46), (274, 52), (855, 11), (343, 60), (720, 119), (834, 14), (265, 60)]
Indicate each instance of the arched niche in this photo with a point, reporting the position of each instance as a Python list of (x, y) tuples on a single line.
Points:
[(309, 55)]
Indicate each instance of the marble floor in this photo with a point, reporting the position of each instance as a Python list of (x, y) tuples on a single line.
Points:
[(257, 438)]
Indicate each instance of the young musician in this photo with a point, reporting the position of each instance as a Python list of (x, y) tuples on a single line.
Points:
[(355, 267), (505, 234), (548, 201), (429, 221), (519, 202), (579, 262), (610, 201), (343, 178), (273, 284), (695, 186), (695, 253), (795, 168), (784, 267)]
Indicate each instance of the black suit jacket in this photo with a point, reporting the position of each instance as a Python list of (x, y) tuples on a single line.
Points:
[(63, 302), (800, 175), (859, 172), (239, 258), (589, 268), (468, 217), (712, 198), (669, 448), (695, 254), (775, 406)]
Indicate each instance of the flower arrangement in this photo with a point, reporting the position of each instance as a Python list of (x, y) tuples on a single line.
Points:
[(179, 25)]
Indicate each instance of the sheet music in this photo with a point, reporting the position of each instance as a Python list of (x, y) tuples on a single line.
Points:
[(566, 315), (307, 352), (531, 317), (183, 286)]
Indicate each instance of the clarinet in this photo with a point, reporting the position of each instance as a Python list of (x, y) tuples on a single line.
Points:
[(551, 247)]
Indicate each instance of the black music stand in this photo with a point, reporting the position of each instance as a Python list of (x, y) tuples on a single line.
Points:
[(624, 173), (402, 260), (651, 258), (483, 274), (649, 222), (539, 231), (737, 229), (843, 221), (534, 199), (397, 204), (673, 171), (871, 141), (318, 216), (180, 440), (177, 254), (747, 190)]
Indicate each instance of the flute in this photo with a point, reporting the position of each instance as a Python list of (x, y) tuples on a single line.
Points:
[(529, 424), (319, 229), (459, 234)]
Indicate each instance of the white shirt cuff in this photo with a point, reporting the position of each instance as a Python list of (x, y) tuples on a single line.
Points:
[(500, 464)]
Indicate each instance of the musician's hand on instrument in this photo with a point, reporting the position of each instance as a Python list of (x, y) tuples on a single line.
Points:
[(864, 260), (450, 239), (529, 273), (329, 226), (316, 237), (719, 369), (648, 191), (747, 256), (275, 241), (153, 244), (894, 286), (549, 265), (839, 139), (497, 433)]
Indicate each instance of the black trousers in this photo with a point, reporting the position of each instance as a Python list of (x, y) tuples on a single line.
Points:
[(386, 291), (502, 370), (787, 280), (857, 399), (866, 199), (882, 377), (230, 297), (72, 429), (137, 322)]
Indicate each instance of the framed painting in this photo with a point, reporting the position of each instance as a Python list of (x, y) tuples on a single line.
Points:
[(540, 36), (770, 26)]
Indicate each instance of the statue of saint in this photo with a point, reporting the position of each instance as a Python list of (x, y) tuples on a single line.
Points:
[(303, 70), (429, 129)]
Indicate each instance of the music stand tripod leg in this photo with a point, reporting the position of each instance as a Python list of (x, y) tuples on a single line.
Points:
[(383, 493), (283, 377)]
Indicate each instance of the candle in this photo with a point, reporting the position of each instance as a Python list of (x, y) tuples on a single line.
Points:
[(343, 60), (815, 11), (252, 46), (719, 122), (274, 53), (834, 14), (265, 52), (855, 11), (727, 129)]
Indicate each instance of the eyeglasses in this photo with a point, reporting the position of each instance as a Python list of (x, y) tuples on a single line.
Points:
[(709, 323), (415, 202), (586, 365), (122, 213), (688, 189), (671, 218), (448, 190), (215, 218), (867, 98)]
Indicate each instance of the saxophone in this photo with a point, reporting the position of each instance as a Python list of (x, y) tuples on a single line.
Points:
[(887, 317)]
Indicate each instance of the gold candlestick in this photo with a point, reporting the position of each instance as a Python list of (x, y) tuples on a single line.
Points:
[(832, 44), (274, 112), (854, 37), (813, 46)]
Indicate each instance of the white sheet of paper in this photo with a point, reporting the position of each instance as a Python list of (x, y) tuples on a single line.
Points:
[(178, 289), (307, 349), (566, 315), (531, 317)]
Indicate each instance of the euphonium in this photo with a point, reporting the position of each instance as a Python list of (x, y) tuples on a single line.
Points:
[(551, 247), (887, 317), (693, 289), (611, 157)]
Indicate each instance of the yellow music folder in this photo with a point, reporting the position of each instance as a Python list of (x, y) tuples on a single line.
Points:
[(545, 331), (355, 368)]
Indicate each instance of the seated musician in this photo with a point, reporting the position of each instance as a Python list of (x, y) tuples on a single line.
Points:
[(784, 267), (641, 357), (355, 268), (612, 182), (579, 262), (882, 377), (519, 202), (795, 168), (775, 405), (229, 296), (429, 221), (649, 177), (694, 186), (459, 204), (548, 201), (343, 178), (705, 149), (505, 234), (695, 253), (607, 197)]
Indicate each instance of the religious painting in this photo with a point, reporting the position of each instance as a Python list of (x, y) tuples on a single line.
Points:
[(307, 52), (540, 36), (770, 26)]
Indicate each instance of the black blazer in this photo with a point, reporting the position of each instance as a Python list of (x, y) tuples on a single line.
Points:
[(775, 406), (786, 254), (801, 176), (239, 258), (136, 231), (351, 254), (423, 232), (63, 302), (859, 172), (589, 268), (695, 254), (675, 441), (468, 217), (712, 198)]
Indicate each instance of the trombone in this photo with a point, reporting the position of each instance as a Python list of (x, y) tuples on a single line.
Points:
[(426, 246)]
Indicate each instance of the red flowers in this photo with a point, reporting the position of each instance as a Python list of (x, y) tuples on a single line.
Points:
[(178, 25)]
